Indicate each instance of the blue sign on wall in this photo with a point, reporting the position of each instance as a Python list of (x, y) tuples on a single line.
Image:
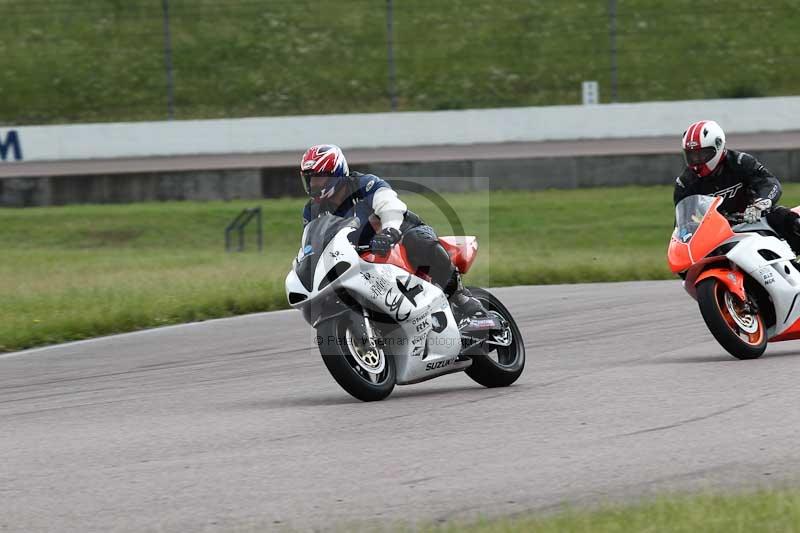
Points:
[(10, 146)]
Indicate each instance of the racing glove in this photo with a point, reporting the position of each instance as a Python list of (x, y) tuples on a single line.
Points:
[(382, 242), (755, 211)]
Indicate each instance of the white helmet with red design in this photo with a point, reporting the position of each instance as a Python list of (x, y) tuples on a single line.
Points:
[(704, 147), (325, 160)]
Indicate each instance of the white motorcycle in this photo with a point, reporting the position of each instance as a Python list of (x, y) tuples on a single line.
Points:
[(380, 323)]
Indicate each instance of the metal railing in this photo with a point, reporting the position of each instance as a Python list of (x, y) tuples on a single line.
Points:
[(239, 224)]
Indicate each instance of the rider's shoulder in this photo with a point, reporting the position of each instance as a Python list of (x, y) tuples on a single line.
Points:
[(367, 184), (739, 159)]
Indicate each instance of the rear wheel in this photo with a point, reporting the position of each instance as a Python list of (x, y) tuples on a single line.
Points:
[(365, 373), (735, 324), (504, 360)]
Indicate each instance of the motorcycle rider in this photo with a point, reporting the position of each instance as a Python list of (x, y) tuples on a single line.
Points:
[(745, 184), (333, 188)]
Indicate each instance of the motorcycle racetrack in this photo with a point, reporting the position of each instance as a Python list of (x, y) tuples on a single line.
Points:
[(236, 424)]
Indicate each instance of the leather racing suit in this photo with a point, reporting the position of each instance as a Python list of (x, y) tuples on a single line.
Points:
[(740, 180)]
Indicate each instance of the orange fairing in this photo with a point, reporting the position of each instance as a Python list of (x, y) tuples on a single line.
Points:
[(397, 257), (678, 256), (733, 280), (713, 231), (462, 251)]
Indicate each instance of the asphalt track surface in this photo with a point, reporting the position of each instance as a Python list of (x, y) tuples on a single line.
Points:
[(235, 424), (512, 150)]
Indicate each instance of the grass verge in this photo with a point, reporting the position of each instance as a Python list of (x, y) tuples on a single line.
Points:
[(776, 510), (103, 60), (70, 273)]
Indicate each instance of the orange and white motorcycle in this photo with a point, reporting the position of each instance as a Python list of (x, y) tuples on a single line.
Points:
[(743, 276)]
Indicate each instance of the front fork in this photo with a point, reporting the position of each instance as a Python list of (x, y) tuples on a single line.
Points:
[(371, 341)]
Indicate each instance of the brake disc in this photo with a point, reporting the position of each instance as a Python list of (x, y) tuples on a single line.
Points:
[(370, 359), (746, 321)]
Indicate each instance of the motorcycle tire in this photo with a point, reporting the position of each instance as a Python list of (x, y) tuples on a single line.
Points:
[(721, 318), (510, 360), (348, 366)]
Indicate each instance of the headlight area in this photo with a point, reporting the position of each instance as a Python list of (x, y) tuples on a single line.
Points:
[(296, 298)]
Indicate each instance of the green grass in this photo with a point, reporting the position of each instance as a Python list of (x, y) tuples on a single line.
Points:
[(103, 60), (74, 272), (774, 511)]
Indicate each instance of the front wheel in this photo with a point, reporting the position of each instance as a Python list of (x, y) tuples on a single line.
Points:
[(504, 360), (365, 373), (732, 322)]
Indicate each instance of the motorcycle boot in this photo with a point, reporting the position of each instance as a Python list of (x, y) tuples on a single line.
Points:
[(464, 305)]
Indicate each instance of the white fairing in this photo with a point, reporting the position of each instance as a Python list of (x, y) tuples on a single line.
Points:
[(413, 316), (778, 276)]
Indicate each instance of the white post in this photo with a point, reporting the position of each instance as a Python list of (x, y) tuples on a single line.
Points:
[(591, 93)]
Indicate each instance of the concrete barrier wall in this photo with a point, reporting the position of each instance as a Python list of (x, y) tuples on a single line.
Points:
[(265, 135), (517, 174)]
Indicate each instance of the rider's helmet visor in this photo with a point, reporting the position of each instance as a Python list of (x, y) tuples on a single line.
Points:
[(319, 186), (700, 156)]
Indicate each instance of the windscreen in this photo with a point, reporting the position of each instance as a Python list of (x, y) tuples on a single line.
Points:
[(689, 214), (318, 233)]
